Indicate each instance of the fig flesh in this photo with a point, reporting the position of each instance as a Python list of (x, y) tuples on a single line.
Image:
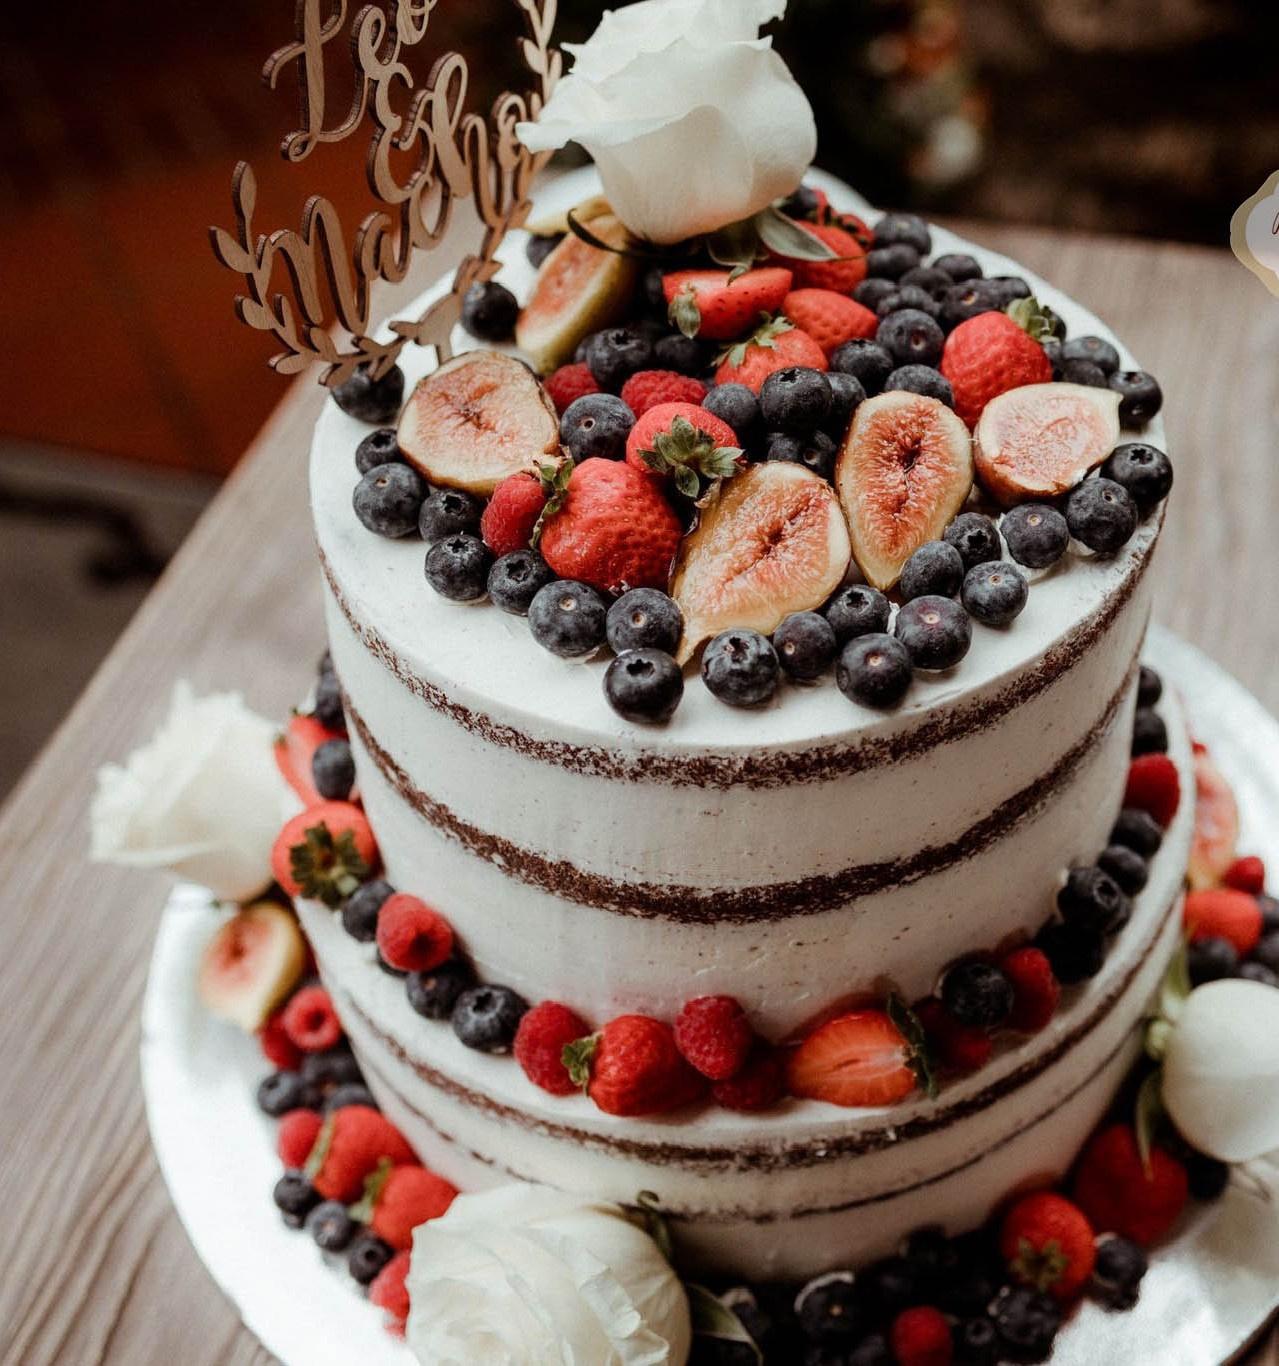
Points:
[(1216, 838), (477, 419), (251, 964), (904, 471), (773, 542), (1036, 442)]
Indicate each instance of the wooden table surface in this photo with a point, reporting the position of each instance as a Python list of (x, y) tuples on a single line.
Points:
[(96, 1266)]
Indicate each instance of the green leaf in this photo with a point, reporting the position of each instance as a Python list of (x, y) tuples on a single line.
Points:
[(711, 1319), (1176, 986), (1148, 1115), (684, 312), (765, 335), (320, 1149), (912, 1031), (1034, 318), (785, 236), (737, 246), (362, 1210), (686, 481), (577, 1057), (647, 1214), (554, 480), (327, 869)]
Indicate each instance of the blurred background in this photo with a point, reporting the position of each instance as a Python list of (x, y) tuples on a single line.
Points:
[(134, 391)]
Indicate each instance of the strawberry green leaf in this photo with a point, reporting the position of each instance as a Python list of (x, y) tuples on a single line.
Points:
[(1148, 1115), (320, 1149), (765, 335), (785, 236), (684, 312), (1032, 317), (362, 1210), (554, 480), (577, 1057), (686, 481), (327, 869), (912, 1031)]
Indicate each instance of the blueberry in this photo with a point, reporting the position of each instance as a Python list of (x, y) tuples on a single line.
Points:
[(921, 379), (294, 1194), (891, 263), (1258, 972), (1117, 1272), (367, 1256), (932, 279), (1075, 954), (963, 301), (514, 580), (644, 685), (959, 266), (805, 644), (616, 354), (932, 1256), (1053, 323), (874, 670), (434, 994), (568, 619), (281, 1092), (1207, 1177), (1150, 687), (935, 631), (1126, 866), (909, 228), (486, 1018), (1083, 372), (872, 1350), (333, 770), (1137, 830), (1149, 733), (857, 609), (334, 1067), (994, 593), (1091, 900), (540, 245), (795, 400), (359, 913), (871, 290), (1211, 959), (371, 400), (684, 355), (388, 498), (736, 405), (331, 1226), (1269, 914), (803, 203), (936, 567), (1027, 1321), (1093, 349), (908, 296), (327, 708), (865, 360), (816, 452), (644, 619), (1144, 470), (378, 448), (351, 1093), (847, 394), (1052, 349), (743, 1303), (977, 994), (1140, 397), (740, 667), (596, 425), (458, 567), (976, 538), (977, 1342), (1101, 515), (445, 512), (829, 1309), (489, 311), (1037, 535), (973, 1283), (889, 1286), (1267, 949), (911, 337), (1009, 287)]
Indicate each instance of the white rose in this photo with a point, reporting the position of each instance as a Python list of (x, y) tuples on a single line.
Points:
[(1221, 1070), (528, 1276), (692, 118), (203, 799)]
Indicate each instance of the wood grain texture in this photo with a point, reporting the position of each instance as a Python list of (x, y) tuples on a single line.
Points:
[(97, 1269)]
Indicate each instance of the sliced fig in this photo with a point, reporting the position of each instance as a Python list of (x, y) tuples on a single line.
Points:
[(579, 289), (555, 222), (477, 419), (904, 471), (773, 542), (1040, 440), (251, 964), (1216, 838)]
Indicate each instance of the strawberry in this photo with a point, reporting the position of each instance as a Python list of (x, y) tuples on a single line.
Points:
[(1048, 1243), (310, 1020), (648, 388), (351, 1144), (1224, 913), (568, 383), (714, 1035), (411, 936), (399, 1198), (294, 750), (920, 1336), (842, 274), (830, 319), (632, 1067), (324, 852), (511, 514), (296, 1135), (1119, 1194), (390, 1292), (1154, 787), (759, 1085), (859, 1059), (990, 354), (711, 304), (543, 1034), (611, 528), (959, 1047), (1246, 874), (1035, 990), (278, 1049), (776, 345), (686, 442)]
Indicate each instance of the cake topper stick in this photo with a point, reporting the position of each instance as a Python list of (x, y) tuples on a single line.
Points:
[(456, 154)]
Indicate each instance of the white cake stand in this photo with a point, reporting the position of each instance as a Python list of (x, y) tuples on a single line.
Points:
[(1208, 1293)]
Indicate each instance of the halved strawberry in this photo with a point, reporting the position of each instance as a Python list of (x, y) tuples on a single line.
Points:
[(859, 1059), (711, 304), (295, 747)]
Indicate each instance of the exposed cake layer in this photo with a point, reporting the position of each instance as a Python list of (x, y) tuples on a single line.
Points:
[(806, 1186)]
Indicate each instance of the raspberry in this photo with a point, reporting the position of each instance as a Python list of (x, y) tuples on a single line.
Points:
[(570, 382), (540, 1041), (759, 1085), (921, 1337), (406, 1197), (278, 1049), (296, 1136), (507, 522), (411, 936), (390, 1293), (350, 1145), (647, 388), (959, 1047), (1153, 787), (1246, 875), (1035, 990), (310, 1020), (714, 1035)]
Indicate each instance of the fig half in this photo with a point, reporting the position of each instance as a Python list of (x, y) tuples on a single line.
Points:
[(251, 964), (1038, 441), (904, 471), (773, 542), (1216, 837), (478, 418)]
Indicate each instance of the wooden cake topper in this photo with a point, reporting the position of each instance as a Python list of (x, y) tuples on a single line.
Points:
[(454, 154)]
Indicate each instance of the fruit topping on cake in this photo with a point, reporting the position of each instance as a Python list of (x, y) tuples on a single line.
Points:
[(324, 852), (251, 964), (776, 344), (694, 448), (1048, 1243), (633, 1067), (858, 1059), (829, 317), (994, 352), (720, 306), (1216, 837)]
